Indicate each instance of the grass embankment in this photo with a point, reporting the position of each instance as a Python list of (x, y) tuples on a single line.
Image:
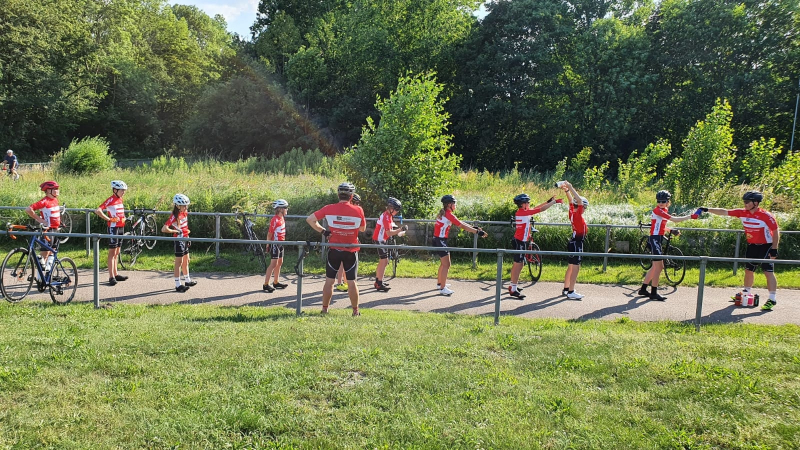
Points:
[(206, 377)]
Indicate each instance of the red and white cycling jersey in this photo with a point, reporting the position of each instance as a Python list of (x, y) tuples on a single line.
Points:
[(344, 220), (385, 224), (183, 224), (759, 226), (442, 227), (116, 209), (277, 229), (658, 221), (579, 227), (522, 223), (50, 211)]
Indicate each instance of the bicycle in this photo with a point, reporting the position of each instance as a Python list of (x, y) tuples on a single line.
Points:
[(66, 224), (395, 254), (674, 269), (248, 233), (315, 247), (15, 176), (143, 226), (532, 261), (21, 267)]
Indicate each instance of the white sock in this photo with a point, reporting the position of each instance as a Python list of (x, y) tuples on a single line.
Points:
[(746, 290), (772, 296), (513, 287), (187, 277), (178, 282)]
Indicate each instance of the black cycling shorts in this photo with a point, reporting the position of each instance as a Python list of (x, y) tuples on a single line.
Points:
[(759, 251), (655, 245), (516, 244), (383, 253), (440, 242), (336, 258), (276, 251), (575, 245), (182, 248), (114, 242)]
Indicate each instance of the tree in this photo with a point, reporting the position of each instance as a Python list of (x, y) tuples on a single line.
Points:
[(406, 155)]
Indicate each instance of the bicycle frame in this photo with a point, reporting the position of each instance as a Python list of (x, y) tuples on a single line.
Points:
[(32, 254)]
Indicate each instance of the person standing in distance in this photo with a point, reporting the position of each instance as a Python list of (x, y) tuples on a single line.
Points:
[(345, 221), (116, 226), (385, 229), (763, 237), (178, 225), (50, 216), (444, 220), (577, 206), (277, 232), (522, 228)]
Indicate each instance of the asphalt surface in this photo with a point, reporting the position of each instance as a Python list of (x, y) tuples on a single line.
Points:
[(543, 300)]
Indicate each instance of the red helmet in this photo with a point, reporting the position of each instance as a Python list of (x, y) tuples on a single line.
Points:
[(49, 185)]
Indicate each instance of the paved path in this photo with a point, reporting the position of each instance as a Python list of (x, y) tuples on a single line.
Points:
[(471, 297)]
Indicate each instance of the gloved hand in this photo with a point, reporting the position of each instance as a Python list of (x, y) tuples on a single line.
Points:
[(702, 208), (326, 233), (773, 253), (482, 233), (675, 232)]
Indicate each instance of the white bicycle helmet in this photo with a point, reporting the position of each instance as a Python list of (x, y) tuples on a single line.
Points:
[(280, 203), (180, 200), (118, 184), (9, 152), (585, 202)]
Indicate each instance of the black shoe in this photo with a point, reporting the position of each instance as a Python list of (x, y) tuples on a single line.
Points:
[(120, 277), (643, 292), (516, 293), (656, 296), (279, 285), (181, 288), (190, 283), (269, 288), (380, 287), (112, 282)]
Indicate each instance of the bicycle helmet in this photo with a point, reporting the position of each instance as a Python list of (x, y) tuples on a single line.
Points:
[(663, 196), (49, 185), (118, 184), (522, 198), (180, 200), (753, 196), (394, 203), (347, 188), (448, 199), (356, 199), (585, 202), (280, 203), (9, 152)]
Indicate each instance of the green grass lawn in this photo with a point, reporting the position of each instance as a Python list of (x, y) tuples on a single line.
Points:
[(184, 376), (619, 271)]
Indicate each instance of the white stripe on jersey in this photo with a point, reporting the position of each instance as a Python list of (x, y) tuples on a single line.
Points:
[(344, 222)]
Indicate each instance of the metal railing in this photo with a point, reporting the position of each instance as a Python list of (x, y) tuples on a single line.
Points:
[(704, 260)]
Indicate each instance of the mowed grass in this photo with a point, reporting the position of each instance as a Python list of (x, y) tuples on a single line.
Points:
[(185, 376)]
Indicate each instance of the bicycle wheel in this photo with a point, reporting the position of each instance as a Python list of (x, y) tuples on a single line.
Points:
[(17, 270), (644, 249), (258, 249), (66, 225), (534, 262), (150, 230), (129, 251), (394, 258), (674, 269), (63, 281)]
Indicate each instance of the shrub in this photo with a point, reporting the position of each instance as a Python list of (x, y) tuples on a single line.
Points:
[(86, 156), (640, 170), (406, 154), (758, 159), (593, 177), (785, 180)]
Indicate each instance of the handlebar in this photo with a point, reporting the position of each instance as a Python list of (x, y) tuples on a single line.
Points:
[(143, 211)]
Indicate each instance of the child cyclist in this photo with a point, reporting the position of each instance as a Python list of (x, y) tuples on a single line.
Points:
[(340, 284), (178, 225), (444, 220), (658, 226), (116, 226), (385, 229), (277, 232), (522, 225), (50, 215), (577, 206), (763, 237)]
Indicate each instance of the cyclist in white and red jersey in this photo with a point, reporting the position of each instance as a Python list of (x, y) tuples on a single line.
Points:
[(763, 237), (340, 284), (384, 229), (444, 220), (658, 227), (178, 225), (345, 220), (116, 226), (522, 234), (577, 206), (50, 215), (277, 232)]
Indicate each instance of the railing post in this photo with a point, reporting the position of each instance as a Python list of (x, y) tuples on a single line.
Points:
[(700, 287), (299, 308), (499, 291), (217, 232), (607, 247), (88, 231), (475, 254), (736, 251), (96, 270)]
